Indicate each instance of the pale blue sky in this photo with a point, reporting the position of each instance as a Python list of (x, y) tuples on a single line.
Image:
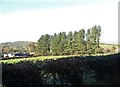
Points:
[(27, 20), (86, 1), (13, 5)]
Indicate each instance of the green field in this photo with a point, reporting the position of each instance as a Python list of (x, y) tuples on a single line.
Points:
[(107, 45), (41, 58)]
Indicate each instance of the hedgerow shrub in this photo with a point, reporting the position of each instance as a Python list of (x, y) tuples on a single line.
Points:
[(67, 72)]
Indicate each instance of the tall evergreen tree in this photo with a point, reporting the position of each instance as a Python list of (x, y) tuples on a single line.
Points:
[(98, 49), (59, 44), (53, 45), (98, 35), (95, 37), (81, 42), (69, 43), (75, 43), (63, 42), (88, 42), (44, 45)]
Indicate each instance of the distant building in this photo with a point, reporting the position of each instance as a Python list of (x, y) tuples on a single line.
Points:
[(5, 55), (21, 55), (8, 55), (16, 55), (32, 53)]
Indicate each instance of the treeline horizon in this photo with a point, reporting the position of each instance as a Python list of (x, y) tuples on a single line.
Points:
[(77, 42)]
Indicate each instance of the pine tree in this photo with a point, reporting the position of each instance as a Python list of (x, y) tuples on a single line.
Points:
[(88, 42), (53, 45), (44, 45), (63, 42), (95, 37), (98, 35), (81, 42), (69, 43), (75, 43)]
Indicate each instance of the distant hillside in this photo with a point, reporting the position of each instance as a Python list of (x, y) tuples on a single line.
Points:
[(17, 45)]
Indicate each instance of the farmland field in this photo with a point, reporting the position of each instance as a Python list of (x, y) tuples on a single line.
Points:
[(41, 58), (107, 45)]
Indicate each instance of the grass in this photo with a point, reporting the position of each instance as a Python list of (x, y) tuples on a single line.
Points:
[(41, 58), (107, 45)]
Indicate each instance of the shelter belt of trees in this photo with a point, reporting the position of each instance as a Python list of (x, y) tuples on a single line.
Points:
[(73, 43)]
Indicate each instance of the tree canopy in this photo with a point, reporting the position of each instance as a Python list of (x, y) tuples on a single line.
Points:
[(78, 42)]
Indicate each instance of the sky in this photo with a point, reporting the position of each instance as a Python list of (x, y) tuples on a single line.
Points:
[(27, 20)]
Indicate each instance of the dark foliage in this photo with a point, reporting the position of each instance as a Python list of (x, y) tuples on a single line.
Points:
[(66, 72)]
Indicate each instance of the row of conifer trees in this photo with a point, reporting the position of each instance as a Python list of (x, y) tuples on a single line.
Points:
[(77, 42)]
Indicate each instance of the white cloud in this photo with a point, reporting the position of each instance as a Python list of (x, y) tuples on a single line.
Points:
[(30, 24)]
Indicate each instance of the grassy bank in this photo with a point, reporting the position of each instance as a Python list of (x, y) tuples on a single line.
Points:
[(42, 58)]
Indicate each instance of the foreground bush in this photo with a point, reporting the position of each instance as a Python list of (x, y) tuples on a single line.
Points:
[(67, 72)]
